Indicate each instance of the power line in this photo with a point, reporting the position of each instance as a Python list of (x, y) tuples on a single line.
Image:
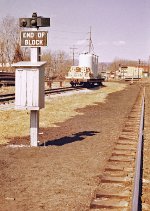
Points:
[(70, 40), (91, 47), (72, 32), (73, 52)]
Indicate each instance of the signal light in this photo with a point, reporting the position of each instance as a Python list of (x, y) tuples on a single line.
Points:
[(35, 21), (24, 22)]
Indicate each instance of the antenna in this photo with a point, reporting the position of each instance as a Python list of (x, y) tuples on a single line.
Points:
[(90, 41)]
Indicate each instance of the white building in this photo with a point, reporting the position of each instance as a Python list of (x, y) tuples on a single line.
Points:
[(129, 72)]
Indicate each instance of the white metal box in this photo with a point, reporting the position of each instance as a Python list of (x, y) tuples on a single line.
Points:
[(29, 85)]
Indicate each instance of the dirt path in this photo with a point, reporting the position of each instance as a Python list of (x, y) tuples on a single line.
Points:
[(64, 175)]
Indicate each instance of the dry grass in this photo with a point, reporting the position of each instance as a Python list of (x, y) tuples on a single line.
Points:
[(6, 90), (16, 123)]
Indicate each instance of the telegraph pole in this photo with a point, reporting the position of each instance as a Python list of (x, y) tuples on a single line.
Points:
[(148, 66), (138, 68), (73, 53)]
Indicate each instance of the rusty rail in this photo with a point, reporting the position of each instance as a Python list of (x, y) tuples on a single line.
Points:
[(8, 97), (137, 178), (120, 184)]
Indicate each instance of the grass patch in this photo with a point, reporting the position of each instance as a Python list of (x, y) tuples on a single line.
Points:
[(17, 123)]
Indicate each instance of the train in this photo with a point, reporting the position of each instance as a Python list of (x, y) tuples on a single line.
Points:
[(86, 73)]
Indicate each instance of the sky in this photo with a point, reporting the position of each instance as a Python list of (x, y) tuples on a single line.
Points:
[(120, 28)]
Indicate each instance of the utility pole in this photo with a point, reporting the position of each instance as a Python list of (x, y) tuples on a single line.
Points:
[(73, 53), (148, 66), (138, 68)]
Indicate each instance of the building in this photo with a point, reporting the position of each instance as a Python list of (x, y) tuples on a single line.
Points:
[(132, 72)]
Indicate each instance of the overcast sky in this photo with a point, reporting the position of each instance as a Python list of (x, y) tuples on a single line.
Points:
[(120, 28)]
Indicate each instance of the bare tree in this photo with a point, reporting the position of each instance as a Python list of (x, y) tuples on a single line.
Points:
[(10, 37), (114, 66), (10, 50), (58, 64), (47, 56), (18, 55), (2, 59)]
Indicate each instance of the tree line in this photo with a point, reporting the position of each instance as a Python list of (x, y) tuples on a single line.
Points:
[(58, 62)]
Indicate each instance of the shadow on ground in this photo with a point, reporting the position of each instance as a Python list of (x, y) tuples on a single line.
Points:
[(69, 139)]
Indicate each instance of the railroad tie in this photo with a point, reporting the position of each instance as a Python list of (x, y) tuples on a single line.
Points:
[(116, 183)]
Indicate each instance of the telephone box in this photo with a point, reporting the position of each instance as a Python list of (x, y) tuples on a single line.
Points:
[(29, 85)]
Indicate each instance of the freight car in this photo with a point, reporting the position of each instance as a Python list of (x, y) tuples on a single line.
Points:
[(86, 73)]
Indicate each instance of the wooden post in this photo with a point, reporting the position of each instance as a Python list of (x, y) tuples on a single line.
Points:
[(49, 84), (34, 115)]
